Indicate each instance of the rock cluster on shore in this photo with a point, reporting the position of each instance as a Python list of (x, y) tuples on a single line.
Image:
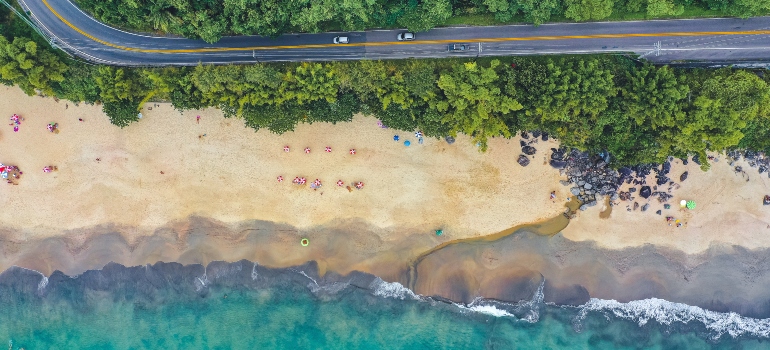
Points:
[(758, 160), (590, 178)]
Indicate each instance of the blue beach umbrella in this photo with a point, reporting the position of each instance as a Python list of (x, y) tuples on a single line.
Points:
[(395, 137), (407, 143)]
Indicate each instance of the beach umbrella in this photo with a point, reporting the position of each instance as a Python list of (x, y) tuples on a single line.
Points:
[(352, 151), (690, 205), (304, 242), (302, 181), (340, 183), (359, 185), (280, 178), (439, 232), (683, 203), (328, 149), (418, 134), (307, 149), (395, 138), (296, 180), (317, 183), (286, 148), (407, 143)]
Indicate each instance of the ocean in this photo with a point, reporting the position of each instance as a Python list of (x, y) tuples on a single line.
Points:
[(243, 305)]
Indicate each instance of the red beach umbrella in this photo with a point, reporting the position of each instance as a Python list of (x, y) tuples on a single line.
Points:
[(340, 183), (359, 185), (307, 149), (328, 149), (280, 178), (286, 148), (352, 151)]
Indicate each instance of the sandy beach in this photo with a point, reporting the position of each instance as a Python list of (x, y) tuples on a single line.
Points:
[(162, 170), (729, 211)]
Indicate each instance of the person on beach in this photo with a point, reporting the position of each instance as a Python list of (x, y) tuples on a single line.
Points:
[(198, 119)]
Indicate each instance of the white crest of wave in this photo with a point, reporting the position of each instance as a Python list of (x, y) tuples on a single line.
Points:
[(486, 309), (391, 290), (666, 312), (42, 284)]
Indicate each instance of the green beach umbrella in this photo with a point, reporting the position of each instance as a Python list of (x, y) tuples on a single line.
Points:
[(304, 242), (691, 205), (439, 232)]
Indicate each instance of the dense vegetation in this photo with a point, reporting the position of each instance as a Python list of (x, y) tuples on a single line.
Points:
[(637, 112), (211, 19)]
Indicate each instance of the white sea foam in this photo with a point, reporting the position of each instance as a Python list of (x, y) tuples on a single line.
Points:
[(667, 313), (254, 274), (41, 285), (391, 290), (485, 308)]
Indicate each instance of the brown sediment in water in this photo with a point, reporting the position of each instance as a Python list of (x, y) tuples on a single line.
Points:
[(547, 227)]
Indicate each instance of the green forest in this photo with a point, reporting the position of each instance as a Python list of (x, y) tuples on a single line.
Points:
[(212, 19), (638, 112)]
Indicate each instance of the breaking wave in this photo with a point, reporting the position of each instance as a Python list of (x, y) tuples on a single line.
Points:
[(669, 313)]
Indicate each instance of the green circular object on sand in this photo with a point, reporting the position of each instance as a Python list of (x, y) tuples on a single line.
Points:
[(691, 205), (439, 232), (304, 242)]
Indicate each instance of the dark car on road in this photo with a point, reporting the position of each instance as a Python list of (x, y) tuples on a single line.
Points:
[(458, 47)]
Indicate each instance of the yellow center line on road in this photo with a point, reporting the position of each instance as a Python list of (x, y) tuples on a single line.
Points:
[(389, 43)]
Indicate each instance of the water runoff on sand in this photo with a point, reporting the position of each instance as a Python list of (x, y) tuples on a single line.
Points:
[(245, 306)]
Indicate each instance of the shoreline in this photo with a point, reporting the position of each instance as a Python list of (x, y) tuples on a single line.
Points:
[(508, 269)]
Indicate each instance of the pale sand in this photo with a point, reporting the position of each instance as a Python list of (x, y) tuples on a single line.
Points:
[(729, 211), (230, 175)]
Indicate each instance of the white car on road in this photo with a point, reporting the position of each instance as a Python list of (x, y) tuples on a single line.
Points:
[(405, 37), (341, 40)]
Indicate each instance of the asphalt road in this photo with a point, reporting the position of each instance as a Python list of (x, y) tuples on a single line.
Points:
[(708, 41)]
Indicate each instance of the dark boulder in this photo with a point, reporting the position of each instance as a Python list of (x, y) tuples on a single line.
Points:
[(665, 168), (645, 192), (523, 160), (525, 135), (696, 159), (683, 176), (449, 139), (522, 143), (536, 134), (558, 164), (544, 137), (625, 172), (529, 150)]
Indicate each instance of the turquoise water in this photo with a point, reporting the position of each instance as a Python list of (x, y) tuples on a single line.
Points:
[(293, 313)]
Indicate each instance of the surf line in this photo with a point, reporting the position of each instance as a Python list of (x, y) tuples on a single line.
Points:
[(548, 227)]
